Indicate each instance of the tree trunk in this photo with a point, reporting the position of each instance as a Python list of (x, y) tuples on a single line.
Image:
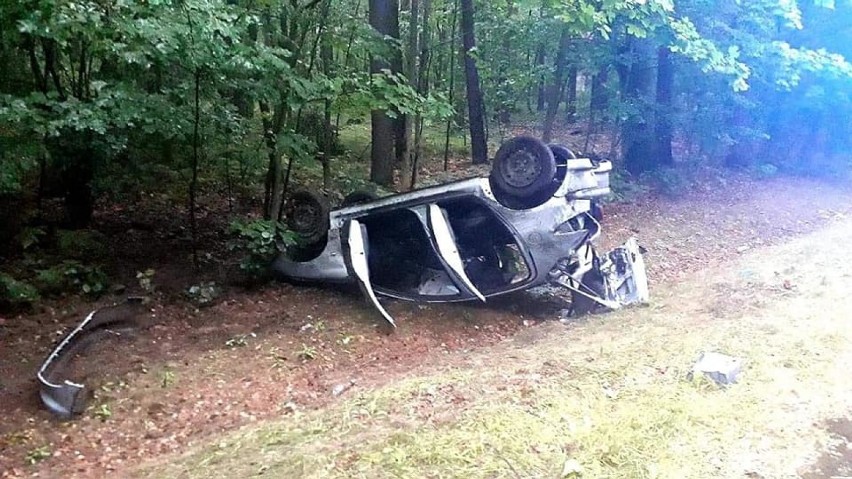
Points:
[(77, 177), (274, 183), (663, 123), (384, 17), (555, 90), (328, 132), (506, 98), (193, 183), (572, 94), (637, 131), (348, 54), (411, 71), (422, 87), (600, 96), (539, 63), (401, 124), (451, 99), (475, 104)]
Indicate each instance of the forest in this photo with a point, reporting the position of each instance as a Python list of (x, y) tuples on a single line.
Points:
[(154, 150), (199, 101)]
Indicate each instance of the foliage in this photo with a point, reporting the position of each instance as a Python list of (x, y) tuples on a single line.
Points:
[(261, 241), (307, 353), (204, 293), (29, 237), (102, 412), (38, 454), (625, 189), (116, 101), (72, 276), (80, 243), (17, 292), (668, 181), (167, 379)]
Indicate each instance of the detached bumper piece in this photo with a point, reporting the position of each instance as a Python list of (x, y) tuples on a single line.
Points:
[(62, 396)]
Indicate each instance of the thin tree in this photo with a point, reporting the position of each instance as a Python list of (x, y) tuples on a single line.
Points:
[(384, 17), (637, 130), (555, 91), (451, 99), (663, 120), (475, 102), (412, 72), (572, 93), (422, 86), (541, 90)]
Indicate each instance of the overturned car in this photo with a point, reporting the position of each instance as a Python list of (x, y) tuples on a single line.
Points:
[(530, 223)]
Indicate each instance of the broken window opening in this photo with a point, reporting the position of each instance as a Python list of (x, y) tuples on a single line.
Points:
[(492, 257)]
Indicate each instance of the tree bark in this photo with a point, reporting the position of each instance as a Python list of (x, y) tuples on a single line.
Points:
[(475, 103), (327, 58), (506, 98), (637, 131), (663, 121), (600, 96), (384, 17), (572, 93), (453, 60), (193, 183), (411, 71), (422, 86), (555, 90), (539, 62)]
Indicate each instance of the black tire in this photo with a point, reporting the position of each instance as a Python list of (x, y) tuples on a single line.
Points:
[(357, 197), (562, 153), (307, 217), (523, 172), (582, 305)]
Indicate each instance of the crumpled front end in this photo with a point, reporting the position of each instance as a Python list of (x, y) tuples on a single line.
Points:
[(61, 395)]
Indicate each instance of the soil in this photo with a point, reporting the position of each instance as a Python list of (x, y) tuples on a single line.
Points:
[(191, 372), (837, 461)]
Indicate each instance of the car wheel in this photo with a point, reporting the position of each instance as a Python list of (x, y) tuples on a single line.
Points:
[(357, 197), (307, 217), (562, 153), (523, 172), (582, 305)]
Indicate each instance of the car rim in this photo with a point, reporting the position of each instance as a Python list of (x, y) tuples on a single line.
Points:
[(521, 169)]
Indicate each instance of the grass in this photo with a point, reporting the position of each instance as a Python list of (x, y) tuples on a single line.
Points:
[(356, 139), (607, 397)]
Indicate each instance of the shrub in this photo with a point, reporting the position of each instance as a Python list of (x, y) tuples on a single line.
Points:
[(80, 243), (625, 188), (260, 241), (668, 181), (73, 277), (15, 292)]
